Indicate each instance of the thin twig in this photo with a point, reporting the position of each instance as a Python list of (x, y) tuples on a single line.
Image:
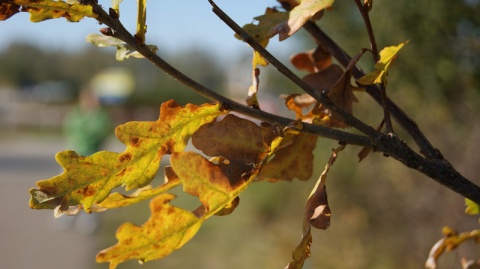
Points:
[(364, 10)]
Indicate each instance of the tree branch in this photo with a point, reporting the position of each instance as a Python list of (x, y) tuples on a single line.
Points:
[(119, 31), (320, 97), (426, 148), (437, 169)]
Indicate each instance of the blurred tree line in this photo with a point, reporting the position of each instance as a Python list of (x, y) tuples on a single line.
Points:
[(24, 65)]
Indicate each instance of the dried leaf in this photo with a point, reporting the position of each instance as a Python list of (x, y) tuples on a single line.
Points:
[(295, 160), (285, 24), (200, 177), (8, 9), (325, 79), (299, 15), (312, 61), (236, 139), (317, 214), (317, 211), (342, 95), (252, 100), (302, 251), (265, 29)]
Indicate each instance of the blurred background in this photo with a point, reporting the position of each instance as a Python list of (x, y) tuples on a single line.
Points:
[(384, 214)]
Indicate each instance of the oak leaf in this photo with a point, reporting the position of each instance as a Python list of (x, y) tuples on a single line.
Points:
[(88, 180), (387, 57), (208, 181), (167, 229), (313, 60), (216, 182), (236, 139), (292, 159), (317, 214), (41, 10), (285, 24), (299, 15), (8, 9)]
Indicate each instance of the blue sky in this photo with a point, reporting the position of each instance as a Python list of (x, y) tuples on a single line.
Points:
[(172, 25)]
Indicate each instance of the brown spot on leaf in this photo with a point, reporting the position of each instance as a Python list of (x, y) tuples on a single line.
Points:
[(134, 141), (125, 157), (88, 191), (122, 173)]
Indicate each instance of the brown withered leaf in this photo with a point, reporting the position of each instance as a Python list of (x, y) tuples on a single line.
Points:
[(317, 214), (317, 211), (295, 160), (325, 79), (342, 95), (234, 138), (312, 61), (7, 10)]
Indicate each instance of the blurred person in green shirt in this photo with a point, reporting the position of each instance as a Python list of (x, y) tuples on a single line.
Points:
[(87, 125)]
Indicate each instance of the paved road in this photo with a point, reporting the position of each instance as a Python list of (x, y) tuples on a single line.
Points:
[(33, 238)]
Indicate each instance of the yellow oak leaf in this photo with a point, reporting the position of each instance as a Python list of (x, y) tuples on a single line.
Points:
[(387, 57), (41, 10), (170, 227), (207, 180), (88, 180), (167, 229)]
